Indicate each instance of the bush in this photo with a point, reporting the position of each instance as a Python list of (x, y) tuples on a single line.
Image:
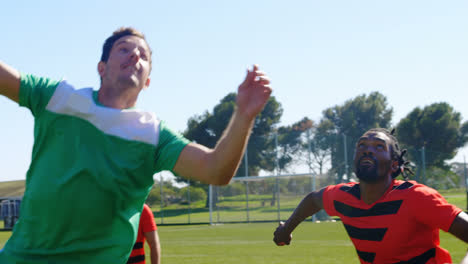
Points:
[(154, 196), (233, 189), (441, 179), (169, 194), (196, 194)]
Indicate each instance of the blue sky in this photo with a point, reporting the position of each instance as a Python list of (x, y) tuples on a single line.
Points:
[(318, 54)]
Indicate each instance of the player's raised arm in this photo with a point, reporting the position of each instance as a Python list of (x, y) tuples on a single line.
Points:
[(9, 82), (218, 165), (310, 205)]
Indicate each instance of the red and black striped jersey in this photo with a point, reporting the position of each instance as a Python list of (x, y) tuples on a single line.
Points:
[(147, 224), (401, 227)]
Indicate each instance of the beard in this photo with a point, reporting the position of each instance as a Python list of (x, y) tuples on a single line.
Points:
[(129, 80), (366, 173), (130, 76)]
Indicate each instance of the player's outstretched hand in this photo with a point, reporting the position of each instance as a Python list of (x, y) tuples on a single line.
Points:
[(253, 93), (281, 236)]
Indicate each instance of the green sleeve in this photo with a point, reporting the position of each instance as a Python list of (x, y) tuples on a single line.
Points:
[(35, 92), (169, 147)]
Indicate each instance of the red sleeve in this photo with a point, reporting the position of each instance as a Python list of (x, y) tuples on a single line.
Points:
[(327, 199), (147, 223), (432, 209)]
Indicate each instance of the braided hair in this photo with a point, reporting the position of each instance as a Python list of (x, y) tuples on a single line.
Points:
[(396, 154)]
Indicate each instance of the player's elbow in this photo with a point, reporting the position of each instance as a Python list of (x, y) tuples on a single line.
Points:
[(218, 178), (222, 180), (217, 173)]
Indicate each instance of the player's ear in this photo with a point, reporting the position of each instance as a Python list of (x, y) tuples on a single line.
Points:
[(147, 83), (395, 166), (100, 67)]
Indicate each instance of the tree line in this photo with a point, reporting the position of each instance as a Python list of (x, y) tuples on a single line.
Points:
[(432, 135)]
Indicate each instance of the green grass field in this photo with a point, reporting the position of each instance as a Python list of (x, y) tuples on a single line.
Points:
[(325, 242)]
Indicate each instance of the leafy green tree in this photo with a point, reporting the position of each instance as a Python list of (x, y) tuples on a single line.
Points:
[(347, 122), (316, 145), (460, 169), (442, 178), (206, 129), (290, 142), (438, 129)]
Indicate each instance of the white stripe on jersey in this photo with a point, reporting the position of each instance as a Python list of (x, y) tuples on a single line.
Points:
[(129, 124)]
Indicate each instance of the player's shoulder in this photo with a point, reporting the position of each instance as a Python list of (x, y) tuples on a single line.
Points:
[(414, 188), (146, 208), (344, 189), (343, 186), (347, 184), (401, 185)]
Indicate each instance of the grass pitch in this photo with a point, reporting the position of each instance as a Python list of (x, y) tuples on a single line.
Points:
[(325, 242)]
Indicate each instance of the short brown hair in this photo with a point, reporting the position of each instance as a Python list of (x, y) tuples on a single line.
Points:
[(119, 33)]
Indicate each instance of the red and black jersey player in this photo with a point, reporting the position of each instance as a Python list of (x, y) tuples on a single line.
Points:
[(388, 220)]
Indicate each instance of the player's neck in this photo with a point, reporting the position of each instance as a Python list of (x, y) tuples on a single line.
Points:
[(117, 98), (372, 192)]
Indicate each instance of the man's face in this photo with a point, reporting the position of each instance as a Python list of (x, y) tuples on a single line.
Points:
[(372, 159), (129, 63)]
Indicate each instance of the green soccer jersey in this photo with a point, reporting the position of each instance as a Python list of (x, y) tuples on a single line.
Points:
[(92, 168)]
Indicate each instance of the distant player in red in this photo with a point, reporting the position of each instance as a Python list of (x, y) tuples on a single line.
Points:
[(147, 230), (388, 220)]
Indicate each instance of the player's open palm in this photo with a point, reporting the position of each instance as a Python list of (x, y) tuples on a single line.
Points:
[(253, 93)]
